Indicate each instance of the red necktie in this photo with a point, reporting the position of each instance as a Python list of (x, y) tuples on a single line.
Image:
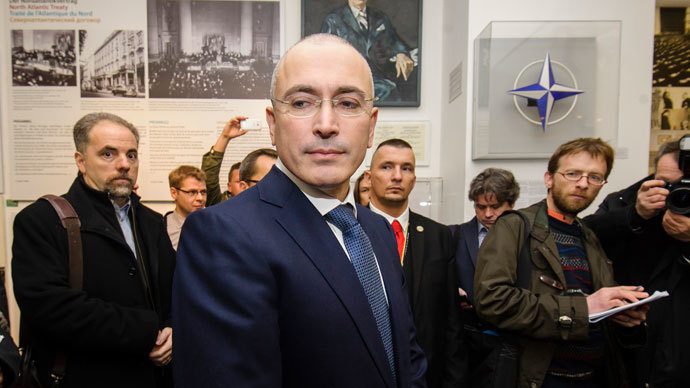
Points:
[(400, 237)]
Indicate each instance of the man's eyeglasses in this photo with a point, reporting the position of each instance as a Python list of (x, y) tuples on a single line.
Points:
[(592, 179), (301, 105), (193, 193)]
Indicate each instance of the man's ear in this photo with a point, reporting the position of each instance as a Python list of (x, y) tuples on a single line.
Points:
[(548, 180), (243, 186), (79, 158), (173, 193), (271, 120)]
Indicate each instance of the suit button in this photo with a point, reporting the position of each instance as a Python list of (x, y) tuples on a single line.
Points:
[(132, 271)]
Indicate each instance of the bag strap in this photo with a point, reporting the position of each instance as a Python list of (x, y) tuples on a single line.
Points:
[(524, 265), (70, 221)]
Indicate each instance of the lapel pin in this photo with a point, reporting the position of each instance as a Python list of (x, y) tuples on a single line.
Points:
[(420, 228)]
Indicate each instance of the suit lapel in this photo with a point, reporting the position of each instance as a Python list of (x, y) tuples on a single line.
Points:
[(471, 236), (351, 21), (303, 223), (415, 253)]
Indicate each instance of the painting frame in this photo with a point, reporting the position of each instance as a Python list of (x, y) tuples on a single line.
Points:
[(396, 22)]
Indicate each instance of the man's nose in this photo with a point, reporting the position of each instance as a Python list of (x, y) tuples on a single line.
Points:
[(397, 173), (583, 182), (326, 124), (123, 163)]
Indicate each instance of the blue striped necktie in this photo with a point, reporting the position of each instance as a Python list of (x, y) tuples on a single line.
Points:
[(362, 256)]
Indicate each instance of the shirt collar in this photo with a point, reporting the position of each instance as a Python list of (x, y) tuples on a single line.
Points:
[(403, 219), (356, 11), (323, 202), (121, 211), (480, 226)]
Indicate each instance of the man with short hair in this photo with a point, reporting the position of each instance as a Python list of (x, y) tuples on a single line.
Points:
[(426, 253), (650, 246), (291, 284), (188, 190), (233, 181), (255, 166), (116, 330), (212, 160), (493, 191), (569, 279)]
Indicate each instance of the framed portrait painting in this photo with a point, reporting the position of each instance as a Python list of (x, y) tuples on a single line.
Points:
[(386, 32)]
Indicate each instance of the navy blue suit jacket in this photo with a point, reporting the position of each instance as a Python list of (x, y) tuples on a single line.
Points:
[(466, 255), (265, 296)]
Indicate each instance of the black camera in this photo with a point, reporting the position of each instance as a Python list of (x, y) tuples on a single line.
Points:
[(678, 200)]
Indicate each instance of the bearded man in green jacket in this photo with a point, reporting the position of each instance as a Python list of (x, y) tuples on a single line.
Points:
[(570, 278)]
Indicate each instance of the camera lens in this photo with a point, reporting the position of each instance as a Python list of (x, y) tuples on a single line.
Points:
[(678, 201)]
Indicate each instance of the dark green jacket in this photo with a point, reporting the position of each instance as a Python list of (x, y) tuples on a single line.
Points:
[(210, 165), (544, 315)]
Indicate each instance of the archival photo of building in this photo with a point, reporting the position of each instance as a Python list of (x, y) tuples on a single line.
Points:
[(112, 63), (212, 49), (43, 58)]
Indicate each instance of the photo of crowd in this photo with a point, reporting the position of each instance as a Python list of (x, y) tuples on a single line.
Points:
[(671, 49), (226, 50), (43, 58)]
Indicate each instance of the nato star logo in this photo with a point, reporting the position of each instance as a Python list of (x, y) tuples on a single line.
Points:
[(546, 92)]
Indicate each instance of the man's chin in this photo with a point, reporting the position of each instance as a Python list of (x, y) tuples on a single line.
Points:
[(394, 198), (119, 191)]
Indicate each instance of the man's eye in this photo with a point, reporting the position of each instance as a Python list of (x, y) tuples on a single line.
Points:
[(132, 155), (572, 174), (301, 103), (349, 103), (108, 154)]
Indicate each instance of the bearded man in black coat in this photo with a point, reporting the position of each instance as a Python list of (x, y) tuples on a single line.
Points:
[(116, 330)]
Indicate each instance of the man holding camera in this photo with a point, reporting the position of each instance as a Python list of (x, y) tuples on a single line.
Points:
[(650, 246)]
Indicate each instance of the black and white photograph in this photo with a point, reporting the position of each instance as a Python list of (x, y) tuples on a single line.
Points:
[(386, 32), (212, 49), (43, 58), (111, 63), (672, 48), (671, 108)]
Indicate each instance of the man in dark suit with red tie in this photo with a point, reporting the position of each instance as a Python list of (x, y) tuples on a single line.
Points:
[(291, 284), (426, 252)]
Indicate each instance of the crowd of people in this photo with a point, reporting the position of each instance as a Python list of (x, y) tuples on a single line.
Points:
[(208, 75), (671, 59), (43, 68), (291, 278)]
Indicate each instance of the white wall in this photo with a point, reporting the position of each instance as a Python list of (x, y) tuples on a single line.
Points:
[(634, 97)]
